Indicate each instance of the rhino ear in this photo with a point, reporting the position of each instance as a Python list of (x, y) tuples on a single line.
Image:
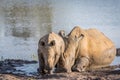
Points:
[(62, 33), (79, 37)]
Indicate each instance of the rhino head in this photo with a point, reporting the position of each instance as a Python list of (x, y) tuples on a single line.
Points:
[(50, 48), (72, 42)]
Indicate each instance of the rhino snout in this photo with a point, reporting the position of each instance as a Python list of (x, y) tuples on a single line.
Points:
[(49, 64)]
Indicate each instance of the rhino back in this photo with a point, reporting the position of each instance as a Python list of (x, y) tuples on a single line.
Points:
[(101, 49), (97, 40)]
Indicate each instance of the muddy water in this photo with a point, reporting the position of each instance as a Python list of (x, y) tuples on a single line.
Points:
[(31, 68), (27, 69)]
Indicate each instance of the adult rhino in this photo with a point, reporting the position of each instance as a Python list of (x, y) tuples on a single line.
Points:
[(50, 50), (87, 49)]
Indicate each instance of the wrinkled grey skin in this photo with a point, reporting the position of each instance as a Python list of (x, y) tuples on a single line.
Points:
[(50, 50)]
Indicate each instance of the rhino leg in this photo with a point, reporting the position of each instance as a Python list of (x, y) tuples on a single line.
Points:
[(81, 64)]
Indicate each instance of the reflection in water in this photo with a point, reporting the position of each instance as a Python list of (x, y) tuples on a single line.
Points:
[(17, 19), (21, 32), (25, 21), (23, 25)]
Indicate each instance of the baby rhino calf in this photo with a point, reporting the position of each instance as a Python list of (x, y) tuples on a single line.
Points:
[(50, 49)]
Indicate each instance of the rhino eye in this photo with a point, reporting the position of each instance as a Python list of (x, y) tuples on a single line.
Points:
[(52, 43), (42, 43)]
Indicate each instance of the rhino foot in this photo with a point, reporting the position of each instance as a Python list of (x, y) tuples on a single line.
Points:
[(81, 65), (43, 72), (78, 69)]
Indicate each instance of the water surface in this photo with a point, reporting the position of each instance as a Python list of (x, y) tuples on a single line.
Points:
[(23, 22)]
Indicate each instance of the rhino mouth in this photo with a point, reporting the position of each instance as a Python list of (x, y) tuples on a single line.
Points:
[(49, 70)]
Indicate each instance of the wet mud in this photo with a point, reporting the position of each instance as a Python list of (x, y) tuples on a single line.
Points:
[(9, 71)]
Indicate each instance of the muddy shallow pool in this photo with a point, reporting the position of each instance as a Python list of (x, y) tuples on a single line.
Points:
[(31, 69), (24, 70)]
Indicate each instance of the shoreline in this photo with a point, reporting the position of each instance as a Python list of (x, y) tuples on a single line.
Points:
[(111, 72)]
